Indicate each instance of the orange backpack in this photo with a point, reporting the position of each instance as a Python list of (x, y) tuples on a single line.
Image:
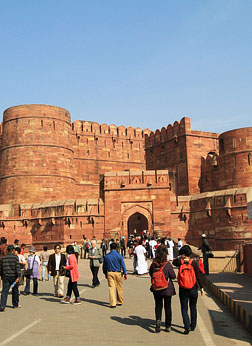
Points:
[(186, 275), (158, 280)]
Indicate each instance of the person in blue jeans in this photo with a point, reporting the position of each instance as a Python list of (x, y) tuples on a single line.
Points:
[(189, 296), (44, 257)]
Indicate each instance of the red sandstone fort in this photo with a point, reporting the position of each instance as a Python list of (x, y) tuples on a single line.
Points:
[(61, 180)]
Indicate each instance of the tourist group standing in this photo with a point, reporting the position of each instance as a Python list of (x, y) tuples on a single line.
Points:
[(14, 267)]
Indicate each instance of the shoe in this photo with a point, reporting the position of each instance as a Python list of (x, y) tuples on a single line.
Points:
[(92, 286), (186, 331), (2, 309), (192, 328), (34, 294), (66, 300), (119, 304), (26, 293), (16, 307), (158, 325), (77, 302), (59, 296), (113, 306), (167, 329)]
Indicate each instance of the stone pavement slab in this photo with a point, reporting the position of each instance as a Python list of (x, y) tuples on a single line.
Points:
[(43, 320)]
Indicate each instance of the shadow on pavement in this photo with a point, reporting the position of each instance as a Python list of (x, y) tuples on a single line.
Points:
[(54, 300), (144, 323), (97, 302), (222, 327)]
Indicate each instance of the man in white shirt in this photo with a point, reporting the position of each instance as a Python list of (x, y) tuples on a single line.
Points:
[(170, 249), (152, 244), (55, 264)]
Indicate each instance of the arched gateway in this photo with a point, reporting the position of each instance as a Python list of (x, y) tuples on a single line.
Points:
[(137, 218), (137, 223)]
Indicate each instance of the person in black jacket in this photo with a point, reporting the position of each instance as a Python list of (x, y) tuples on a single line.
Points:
[(189, 295), (10, 273), (55, 264), (205, 248), (164, 295)]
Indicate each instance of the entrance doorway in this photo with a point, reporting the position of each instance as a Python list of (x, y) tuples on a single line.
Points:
[(137, 223)]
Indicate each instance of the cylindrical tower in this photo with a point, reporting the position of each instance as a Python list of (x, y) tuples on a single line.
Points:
[(235, 160), (36, 155)]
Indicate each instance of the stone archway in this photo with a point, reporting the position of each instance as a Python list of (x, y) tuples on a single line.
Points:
[(136, 211), (137, 223)]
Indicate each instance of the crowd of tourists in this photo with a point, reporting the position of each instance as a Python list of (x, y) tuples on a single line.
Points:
[(16, 271)]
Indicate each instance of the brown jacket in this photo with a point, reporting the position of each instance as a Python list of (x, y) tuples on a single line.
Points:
[(52, 264)]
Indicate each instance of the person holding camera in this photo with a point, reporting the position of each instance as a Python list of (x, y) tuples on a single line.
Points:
[(56, 263)]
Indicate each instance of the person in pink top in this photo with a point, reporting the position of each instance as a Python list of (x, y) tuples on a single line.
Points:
[(72, 266)]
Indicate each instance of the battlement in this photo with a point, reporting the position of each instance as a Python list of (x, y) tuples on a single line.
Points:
[(171, 132), (136, 179), (82, 128), (53, 209)]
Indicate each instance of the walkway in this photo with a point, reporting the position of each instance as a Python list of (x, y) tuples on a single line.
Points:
[(43, 320)]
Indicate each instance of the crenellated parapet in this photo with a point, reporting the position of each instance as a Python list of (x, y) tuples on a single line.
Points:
[(82, 128), (136, 179), (171, 132)]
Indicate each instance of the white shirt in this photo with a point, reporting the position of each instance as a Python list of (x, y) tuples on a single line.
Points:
[(57, 261), (21, 258)]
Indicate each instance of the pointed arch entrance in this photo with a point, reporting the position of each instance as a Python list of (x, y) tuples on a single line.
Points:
[(136, 217), (137, 223)]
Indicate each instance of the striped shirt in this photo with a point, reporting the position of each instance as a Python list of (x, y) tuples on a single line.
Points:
[(9, 266)]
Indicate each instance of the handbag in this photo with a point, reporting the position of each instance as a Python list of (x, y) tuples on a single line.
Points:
[(67, 273), (210, 254), (28, 272)]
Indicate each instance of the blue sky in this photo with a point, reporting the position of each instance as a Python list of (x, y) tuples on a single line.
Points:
[(144, 63)]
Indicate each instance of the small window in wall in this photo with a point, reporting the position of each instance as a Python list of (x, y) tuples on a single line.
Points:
[(70, 236), (249, 155), (42, 124), (234, 162), (54, 127), (221, 143)]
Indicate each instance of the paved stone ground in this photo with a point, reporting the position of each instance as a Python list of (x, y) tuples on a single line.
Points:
[(43, 320)]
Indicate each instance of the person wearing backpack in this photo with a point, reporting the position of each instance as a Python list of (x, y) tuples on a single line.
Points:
[(162, 274), (189, 280)]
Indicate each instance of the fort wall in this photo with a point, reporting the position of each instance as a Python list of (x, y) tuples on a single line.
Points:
[(36, 155), (102, 148), (232, 166), (179, 149)]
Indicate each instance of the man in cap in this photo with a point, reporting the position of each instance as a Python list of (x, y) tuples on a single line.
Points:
[(33, 263)]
